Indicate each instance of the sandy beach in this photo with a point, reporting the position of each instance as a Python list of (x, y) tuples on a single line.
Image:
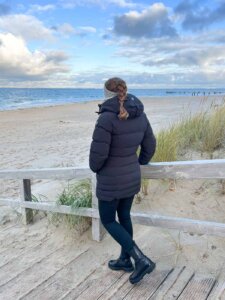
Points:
[(60, 136)]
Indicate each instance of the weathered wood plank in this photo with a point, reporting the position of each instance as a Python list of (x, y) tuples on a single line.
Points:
[(183, 224), (17, 237), (47, 173), (12, 230), (64, 209), (108, 294), (196, 169), (198, 288), (98, 230), (98, 286), (20, 264), (167, 284), (120, 293), (8, 256), (186, 169), (94, 285), (218, 290), (37, 273), (142, 290), (25, 194), (178, 286), (67, 279), (148, 285)]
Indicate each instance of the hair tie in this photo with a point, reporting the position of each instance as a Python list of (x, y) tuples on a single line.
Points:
[(123, 115)]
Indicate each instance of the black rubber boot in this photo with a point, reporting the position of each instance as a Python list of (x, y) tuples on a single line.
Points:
[(143, 265), (122, 263)]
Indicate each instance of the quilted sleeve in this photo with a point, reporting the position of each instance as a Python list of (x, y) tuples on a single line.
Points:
[(100, 145), (148, 145)]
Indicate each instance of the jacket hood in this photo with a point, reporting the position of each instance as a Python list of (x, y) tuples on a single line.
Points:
[(132, 104)]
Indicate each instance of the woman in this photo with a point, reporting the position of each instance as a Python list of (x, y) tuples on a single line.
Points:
[(121, 127)]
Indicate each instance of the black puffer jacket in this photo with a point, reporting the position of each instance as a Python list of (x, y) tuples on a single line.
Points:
[(113, 149)]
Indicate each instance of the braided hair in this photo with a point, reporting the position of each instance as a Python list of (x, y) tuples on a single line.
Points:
[(118, 86)]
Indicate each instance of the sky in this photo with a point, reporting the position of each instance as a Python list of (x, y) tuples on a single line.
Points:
[(75, 43)]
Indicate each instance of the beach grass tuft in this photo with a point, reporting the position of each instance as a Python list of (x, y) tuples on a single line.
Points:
[(76, 195), (214, 134), (167, 145), (203, 132)]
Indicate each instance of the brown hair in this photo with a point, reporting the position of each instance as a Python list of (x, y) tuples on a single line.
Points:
[(118, 85)]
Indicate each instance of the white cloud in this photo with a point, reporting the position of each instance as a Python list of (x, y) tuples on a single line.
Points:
[(197, 16), (17, 62), (201, 57), (152, 22), (26, 26), (123, 3), (41, 8), (198, 51), (148, 79), (102, 4), (87, 29), (67, 29)]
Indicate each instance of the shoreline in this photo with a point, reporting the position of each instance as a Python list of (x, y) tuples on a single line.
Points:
[(142, 98), (50, 105)]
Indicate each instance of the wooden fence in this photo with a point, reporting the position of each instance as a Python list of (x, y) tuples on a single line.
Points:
[(201, 169)]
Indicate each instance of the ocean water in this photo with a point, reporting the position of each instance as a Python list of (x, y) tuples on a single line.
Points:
[(16, 98)]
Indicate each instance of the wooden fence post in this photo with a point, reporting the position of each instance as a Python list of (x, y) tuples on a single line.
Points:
[(27, 213), (98, 230)]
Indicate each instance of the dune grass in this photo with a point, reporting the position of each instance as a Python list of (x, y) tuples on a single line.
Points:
[(204, 132), (167, 145), (75, 195), (214, 137)]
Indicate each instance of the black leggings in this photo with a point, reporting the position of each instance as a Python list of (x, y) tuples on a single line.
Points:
[(122, 232)]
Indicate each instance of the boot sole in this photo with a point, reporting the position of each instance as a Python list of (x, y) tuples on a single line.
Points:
[(131, 269), (147, 271)]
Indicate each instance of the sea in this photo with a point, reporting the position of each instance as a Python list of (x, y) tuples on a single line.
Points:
[(17, 98)]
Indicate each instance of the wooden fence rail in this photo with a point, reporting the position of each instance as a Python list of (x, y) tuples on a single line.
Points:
[(201, 169)]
